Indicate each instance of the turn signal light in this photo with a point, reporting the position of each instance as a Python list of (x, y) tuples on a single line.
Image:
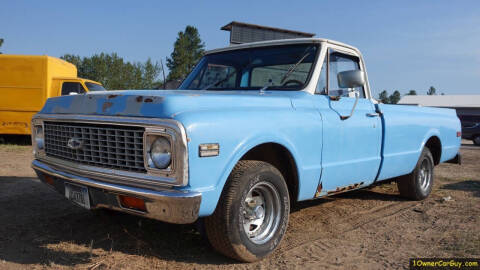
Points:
[(132, 203), (49, 179), (459, 134), (208, 149)]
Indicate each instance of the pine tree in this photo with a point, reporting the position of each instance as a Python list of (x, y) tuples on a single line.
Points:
[(188, 49), (383, 97), (395, 97), (412, 93)]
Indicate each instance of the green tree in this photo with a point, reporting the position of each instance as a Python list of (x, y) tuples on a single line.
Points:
[(74, 59), (383, 97), (1, 42), (187, 50), (150, 72), (412, 93), (395, 97), (115, 73), (431, 91)]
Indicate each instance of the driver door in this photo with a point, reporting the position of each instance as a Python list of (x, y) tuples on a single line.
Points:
[(351, 147)]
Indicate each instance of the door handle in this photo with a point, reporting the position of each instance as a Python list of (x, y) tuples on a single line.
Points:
[(373, 114)]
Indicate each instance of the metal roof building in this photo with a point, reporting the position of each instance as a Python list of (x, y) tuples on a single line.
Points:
[(443, 101), (467, 106), (241, 32)]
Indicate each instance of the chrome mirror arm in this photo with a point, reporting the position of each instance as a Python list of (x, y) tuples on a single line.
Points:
[(357, 97)]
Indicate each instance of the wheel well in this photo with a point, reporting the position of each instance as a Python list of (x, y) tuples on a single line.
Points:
[(280, 158), (435, 147)]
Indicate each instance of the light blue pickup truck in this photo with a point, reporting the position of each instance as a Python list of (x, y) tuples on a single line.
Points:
[(253, 129)]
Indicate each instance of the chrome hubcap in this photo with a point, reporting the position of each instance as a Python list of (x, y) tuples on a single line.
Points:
[(425, 174), (261, 212)]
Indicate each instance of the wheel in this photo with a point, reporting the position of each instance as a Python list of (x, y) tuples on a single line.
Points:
[(418, 184), (252, 215), (476, 140)]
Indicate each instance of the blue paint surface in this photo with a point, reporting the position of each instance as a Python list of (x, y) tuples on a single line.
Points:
[(326, 150)]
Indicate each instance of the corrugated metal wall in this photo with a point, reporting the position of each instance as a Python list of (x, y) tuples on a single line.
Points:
[(242, 34)]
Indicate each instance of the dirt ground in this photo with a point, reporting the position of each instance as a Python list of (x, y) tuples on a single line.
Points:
[(366, 229)]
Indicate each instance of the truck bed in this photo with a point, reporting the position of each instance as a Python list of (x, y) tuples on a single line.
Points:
[(405, 126)]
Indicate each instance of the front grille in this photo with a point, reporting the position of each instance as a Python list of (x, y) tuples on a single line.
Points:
[(108, 146)]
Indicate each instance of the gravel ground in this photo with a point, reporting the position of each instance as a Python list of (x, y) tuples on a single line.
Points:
[(367, 229)]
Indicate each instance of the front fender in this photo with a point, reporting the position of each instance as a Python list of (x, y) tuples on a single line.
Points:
[(247, 145), (237, 133)]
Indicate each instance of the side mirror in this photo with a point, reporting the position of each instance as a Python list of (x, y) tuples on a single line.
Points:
[(351, 78)]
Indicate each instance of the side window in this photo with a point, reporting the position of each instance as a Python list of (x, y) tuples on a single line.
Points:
[(69, 87), (339, 62), (322, 81)]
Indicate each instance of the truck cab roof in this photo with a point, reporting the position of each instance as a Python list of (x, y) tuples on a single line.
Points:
[(281, 42), (77, 79)]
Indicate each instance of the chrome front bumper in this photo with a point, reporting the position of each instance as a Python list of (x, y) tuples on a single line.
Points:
[(167, 205)]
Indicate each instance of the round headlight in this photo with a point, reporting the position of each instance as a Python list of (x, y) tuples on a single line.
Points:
[(160, 153)]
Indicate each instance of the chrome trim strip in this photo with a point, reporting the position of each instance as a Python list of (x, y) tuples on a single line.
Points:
[(143, 180), (179, 177), (167, 205)]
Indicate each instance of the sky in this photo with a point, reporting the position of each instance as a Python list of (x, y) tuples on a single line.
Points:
[(406, 44)]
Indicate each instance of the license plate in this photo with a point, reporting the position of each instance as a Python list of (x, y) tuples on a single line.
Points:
[(78, 195)]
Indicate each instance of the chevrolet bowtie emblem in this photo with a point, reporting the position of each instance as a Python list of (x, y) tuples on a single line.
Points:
[(75, 144)]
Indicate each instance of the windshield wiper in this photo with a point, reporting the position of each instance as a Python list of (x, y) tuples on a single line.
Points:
[(268, 84), (293, 67), (229, 75)]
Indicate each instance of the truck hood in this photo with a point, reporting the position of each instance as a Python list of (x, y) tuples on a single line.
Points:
[(165, 103)]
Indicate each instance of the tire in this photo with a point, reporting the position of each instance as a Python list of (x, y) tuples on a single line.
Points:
[(476, 140), (418, 184), (252, 214)]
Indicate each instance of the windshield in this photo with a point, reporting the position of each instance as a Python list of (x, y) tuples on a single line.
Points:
[(94, 86), (286, 67)]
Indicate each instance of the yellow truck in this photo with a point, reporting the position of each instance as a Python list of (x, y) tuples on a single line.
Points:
[(27, 81)]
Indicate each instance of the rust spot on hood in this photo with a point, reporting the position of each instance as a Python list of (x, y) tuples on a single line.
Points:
[(106, 105), (148, 99), (112, 96)]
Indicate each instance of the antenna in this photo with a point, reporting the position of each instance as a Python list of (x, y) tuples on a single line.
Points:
[(163, 71)]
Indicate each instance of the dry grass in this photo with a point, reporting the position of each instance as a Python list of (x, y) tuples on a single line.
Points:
[(367, 229), (14, 147)]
